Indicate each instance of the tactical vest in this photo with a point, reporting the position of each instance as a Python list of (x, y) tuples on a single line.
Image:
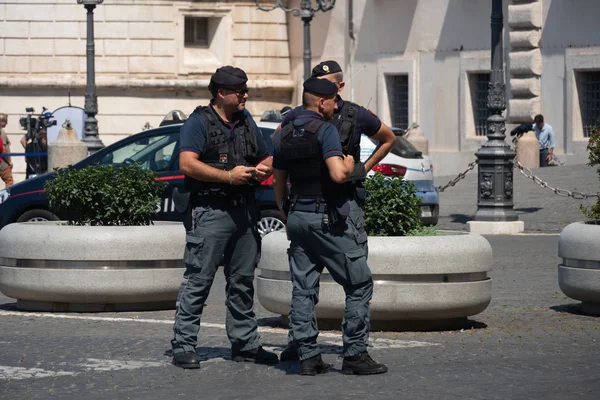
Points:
[(308, 172), (225, 152), (345, 122)]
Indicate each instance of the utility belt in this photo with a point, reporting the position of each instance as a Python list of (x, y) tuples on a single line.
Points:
[(232, 200), (334, 213)]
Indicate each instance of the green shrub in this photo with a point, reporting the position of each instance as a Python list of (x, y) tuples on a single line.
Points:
[(423, 231), (392, 206), (105, 195), (593, 148)]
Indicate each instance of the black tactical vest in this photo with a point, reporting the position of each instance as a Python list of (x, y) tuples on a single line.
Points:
[(345, 122), (308, 172), (225, 152)]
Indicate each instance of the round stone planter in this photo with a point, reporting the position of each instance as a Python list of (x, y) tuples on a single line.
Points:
[(417, 279), (50, 266), (579, 272)]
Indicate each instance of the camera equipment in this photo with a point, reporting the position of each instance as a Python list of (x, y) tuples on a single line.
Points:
[(36, 140)]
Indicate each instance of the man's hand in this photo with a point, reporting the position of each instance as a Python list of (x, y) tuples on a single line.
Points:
[(241, 175), (262, 172), (549, 156)]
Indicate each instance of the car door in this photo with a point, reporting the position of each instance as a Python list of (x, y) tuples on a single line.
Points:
[(160, 153)]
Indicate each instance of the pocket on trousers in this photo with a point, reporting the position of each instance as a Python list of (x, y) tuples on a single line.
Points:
[(356, 266), (193, 249)]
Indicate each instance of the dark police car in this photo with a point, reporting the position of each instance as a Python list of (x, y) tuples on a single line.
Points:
[(156, 149)]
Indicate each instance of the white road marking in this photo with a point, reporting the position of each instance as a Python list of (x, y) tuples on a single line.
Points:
[(94, 364), (17, 373), (397, 343)]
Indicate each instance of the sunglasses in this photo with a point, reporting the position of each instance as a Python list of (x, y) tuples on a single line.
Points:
[(240, 92)]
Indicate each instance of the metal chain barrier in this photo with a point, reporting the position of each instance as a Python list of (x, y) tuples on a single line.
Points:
[(558, 191), (459, 177)]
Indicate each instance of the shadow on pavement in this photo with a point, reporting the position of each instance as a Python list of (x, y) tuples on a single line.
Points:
[(461, 218), (573, 308), (528, 210)]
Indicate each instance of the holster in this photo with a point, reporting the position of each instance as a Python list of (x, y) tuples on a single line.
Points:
[(181, 199), (338, 213)]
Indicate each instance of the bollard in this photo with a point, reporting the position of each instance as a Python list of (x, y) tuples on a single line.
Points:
[(528, 150), (67, 149), (416, 137)]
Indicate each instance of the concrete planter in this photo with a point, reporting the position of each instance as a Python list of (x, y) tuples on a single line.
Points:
[(50, 266), (579, 272), (423, 278)]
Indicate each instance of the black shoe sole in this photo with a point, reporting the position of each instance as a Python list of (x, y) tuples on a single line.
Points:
[(187, 366), (372, 372), (313, 372), (254, 360)]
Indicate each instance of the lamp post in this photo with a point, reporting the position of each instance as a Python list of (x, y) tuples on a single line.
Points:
[(91, 138), (306, 13), (495, 157)]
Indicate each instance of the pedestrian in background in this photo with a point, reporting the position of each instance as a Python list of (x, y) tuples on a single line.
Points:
[(308, 151), (224, 157), (545, 136), (6, 164)]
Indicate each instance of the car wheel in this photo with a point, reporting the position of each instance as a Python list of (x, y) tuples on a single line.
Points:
[(270, 221), (37, 215)]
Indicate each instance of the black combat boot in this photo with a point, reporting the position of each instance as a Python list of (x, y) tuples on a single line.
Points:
[(313, 366), (362, 364), (187, 360), (258, 356), (290, 353)]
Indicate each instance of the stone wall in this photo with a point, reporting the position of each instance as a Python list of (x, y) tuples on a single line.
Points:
[(525, 60), (143, 68)]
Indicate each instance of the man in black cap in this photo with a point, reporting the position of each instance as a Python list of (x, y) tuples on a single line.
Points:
[(308, 151), (351, 120), (223, 156)]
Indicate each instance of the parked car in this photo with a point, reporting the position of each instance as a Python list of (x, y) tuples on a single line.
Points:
[(157, 149), (406, 161)]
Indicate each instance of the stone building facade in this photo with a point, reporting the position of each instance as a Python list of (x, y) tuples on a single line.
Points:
[(152, 56), (428, 61), (424, 61)]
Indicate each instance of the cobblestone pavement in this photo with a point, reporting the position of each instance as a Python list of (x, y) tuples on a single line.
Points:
[(539, 208), (530, 343)]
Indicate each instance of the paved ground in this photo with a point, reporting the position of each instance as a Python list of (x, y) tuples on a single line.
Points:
[(530, 343), (539, 208)]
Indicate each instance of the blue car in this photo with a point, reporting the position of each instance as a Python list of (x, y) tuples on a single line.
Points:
[(156, 149)]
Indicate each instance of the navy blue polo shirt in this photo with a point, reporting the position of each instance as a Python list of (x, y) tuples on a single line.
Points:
[(328, 137), (366, 122), (192, 136)]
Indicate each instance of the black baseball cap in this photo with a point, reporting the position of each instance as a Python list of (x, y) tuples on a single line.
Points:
[(326, 68), (320, 87), (228, 76)]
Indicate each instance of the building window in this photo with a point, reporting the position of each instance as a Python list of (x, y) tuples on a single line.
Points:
[(397, 88), (590, 101), (481, 112), (196, 32)]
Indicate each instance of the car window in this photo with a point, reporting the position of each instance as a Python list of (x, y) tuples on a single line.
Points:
[(403, 148), (153, 152)]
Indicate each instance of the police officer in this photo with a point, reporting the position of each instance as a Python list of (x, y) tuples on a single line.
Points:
[(351, 120), (308, 151), (223, 155)]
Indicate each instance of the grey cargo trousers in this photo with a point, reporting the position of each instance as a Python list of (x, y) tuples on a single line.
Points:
[(215, 232), (343, 254)]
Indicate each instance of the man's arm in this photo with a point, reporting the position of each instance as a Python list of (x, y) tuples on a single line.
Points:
[(340, 168), (23, 141), (551, 141), (386, 138), (280, 186), (190, 165)]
